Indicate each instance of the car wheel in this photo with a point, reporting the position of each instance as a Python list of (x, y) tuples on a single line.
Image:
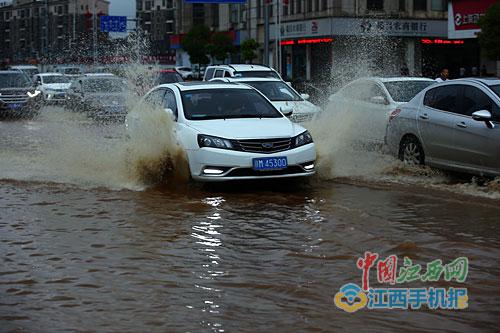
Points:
[(411, 151)]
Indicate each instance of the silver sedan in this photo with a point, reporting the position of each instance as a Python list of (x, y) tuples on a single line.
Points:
[(453, 125)]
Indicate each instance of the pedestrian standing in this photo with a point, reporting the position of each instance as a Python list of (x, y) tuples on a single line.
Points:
[(443, 76)]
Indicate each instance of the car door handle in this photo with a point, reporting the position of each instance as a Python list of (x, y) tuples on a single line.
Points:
[(424, 116), (462, 124)]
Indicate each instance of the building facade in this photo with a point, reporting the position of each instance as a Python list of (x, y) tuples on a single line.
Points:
[(50, 31), (311, 39)]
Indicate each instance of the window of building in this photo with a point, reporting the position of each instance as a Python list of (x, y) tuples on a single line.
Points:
[(420, 5), (299, 6), (285, 10), (163, 3), (292, 6), (375, 4), (148, 5), (402, 5), (316, 5), (309, 4), (259, 8), (439, 5), (324, 4)]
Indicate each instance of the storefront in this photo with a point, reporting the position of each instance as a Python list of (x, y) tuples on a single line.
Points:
[(345, 48)]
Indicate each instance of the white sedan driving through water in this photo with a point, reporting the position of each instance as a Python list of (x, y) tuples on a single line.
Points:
[(231, 132)]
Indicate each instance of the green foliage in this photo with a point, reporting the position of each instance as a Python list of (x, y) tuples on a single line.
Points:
[(220, 46), (248, 48), (489, 37), (196, 44)]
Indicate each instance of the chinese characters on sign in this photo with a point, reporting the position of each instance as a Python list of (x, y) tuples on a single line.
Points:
[(352, 298), (113, 23)]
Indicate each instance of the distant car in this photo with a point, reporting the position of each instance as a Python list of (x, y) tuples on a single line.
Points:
[(53, 86), (18, 96), (167, 76), (453, 125), (246, 70), (101, 98), (185, 72), (29, 70), (70, 71), (283, 97), (231, 132), (370, 101)]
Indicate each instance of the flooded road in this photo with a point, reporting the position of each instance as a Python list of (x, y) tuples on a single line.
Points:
[(86, 249)]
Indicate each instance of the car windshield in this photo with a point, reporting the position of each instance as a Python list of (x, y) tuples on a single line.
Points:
[(168, 77), (404, 91), (103, 85), (226, 103), (55, 79), (14, 80), (496, 89), (275, 91), (269, 74)]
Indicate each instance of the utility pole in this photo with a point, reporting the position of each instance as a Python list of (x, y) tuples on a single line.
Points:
[(266, 32), (73, 43), (95, 33), (47, 34)]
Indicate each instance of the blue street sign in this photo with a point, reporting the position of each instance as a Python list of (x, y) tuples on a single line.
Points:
[(215, 1), (113, 23)]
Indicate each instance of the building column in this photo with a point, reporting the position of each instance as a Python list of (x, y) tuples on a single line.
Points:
[(308, 62)]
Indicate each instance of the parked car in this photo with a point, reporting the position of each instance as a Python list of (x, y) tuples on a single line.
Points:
[(100, 97), (29, 70), (18, 96), (371, 100), (249, 70), (167, 76), (53, 86), (70, 71), (185, 72), (231, 132), (453, 125), (283, 97)]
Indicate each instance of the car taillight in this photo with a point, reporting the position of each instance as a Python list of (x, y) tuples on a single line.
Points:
[(394, 114)]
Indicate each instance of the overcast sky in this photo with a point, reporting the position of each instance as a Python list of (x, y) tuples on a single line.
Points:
[(122, 8)]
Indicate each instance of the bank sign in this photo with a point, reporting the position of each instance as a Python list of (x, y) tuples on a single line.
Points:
[(361, 27), (463, 16)]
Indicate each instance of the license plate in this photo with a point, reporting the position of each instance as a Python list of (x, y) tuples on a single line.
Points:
[(269, 163), (15, 106)]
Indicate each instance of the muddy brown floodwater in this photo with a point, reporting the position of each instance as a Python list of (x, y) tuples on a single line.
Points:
[(90, 257)]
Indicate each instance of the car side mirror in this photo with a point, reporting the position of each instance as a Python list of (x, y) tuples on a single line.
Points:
[(305, 96), (483, 115), (378, 100), (286, 110)]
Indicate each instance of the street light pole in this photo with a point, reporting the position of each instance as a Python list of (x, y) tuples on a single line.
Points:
[(266, 32), (95, 33)]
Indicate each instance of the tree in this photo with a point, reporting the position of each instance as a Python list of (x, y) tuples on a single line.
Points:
[(489, 37), (248, 48), (196, 42), (220, 46)]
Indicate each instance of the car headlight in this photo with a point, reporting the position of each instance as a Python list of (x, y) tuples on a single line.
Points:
[(302, 139), (213, 142), (34, 94)]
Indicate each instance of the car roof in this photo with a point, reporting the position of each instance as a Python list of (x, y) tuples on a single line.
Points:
[(50, 74), (24, 67), (15, 71), (249, 79), (490, 81), (399, 78), (188, 86), (245, 67), (99, 74)]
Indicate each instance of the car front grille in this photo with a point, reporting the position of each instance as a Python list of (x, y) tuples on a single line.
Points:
[(10, 99), (264, 146), (249, 172)]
